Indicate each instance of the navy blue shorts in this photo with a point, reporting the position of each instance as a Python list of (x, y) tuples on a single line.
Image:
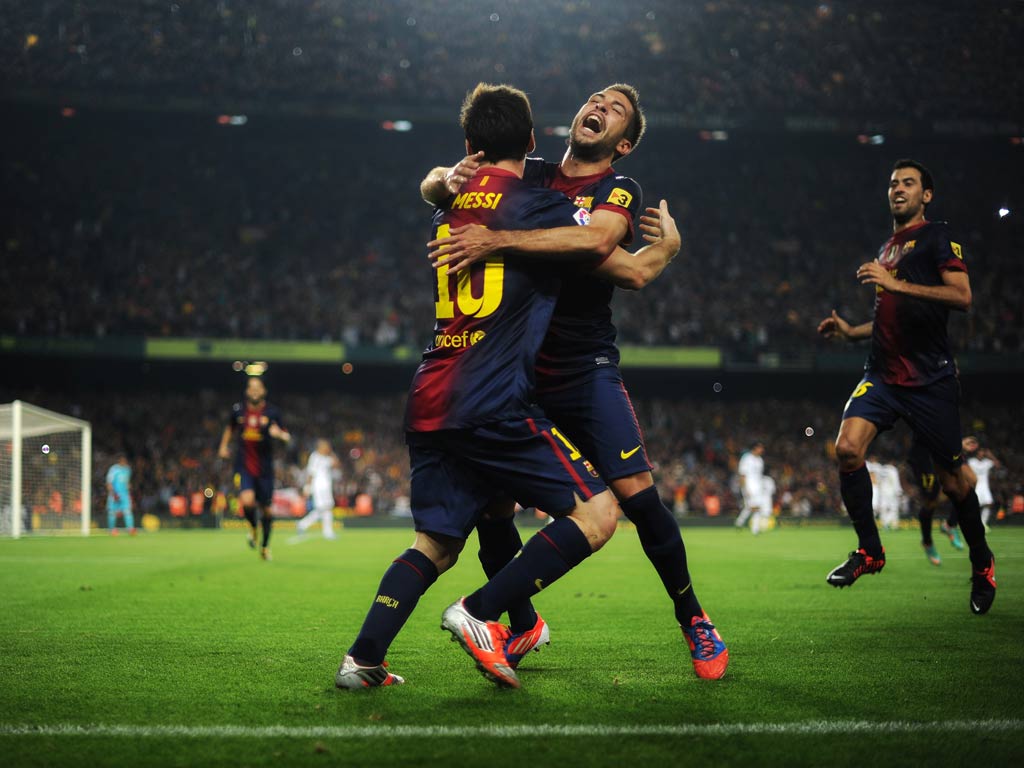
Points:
[(594, 409), (262, 486), (457, 473), (932, 412), (920, 461)]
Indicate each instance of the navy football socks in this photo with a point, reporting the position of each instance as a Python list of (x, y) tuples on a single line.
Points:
[(548, 555), (968, 511), (404, 582), (499, 544), (250, 515), (924, 518), (855, 488), (663, 545), (267, 520)]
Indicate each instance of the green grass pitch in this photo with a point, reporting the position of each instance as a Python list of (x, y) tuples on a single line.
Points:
[(183, 648)]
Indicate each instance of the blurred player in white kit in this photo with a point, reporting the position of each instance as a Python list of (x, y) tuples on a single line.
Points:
[(751, 472), (320, 479), (982, 462)]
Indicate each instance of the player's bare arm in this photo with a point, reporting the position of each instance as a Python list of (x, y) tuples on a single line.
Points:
[(441, 183), (955, 291), (472, 243), (835, 326), (224, 450), (633, 271), (275, 431)]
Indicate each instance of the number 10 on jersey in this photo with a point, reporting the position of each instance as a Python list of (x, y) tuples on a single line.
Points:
[(464, 300)]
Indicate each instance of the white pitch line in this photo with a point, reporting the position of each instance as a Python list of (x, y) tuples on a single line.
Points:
[(805, 728)]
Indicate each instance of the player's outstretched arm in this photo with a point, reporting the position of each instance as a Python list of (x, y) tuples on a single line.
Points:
[(633, 271), (955, 291), (281, 434), (836, 327), (472, 243), (441, 183)]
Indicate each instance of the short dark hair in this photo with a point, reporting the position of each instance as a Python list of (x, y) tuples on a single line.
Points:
[(497, 121), (637, 126), (926, 176)]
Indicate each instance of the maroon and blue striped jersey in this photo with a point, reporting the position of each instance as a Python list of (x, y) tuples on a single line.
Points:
[(255, 454), (490, 318), (909, 340), (582, 335)]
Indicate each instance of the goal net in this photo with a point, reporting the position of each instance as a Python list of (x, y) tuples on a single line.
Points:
[(45, 471)]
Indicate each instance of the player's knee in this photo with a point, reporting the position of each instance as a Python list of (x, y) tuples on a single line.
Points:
[(849, 454), (598, 518)]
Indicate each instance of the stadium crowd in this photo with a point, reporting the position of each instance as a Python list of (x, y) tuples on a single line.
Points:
[(732, 58), (166, 225), (171, 441)]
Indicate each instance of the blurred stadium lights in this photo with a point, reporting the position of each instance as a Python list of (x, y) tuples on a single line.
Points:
[(1004, 212), (1017, 140), (874, 139), (232, 119), (67, 112), (396, 125), (713, 135), (257, 368), (556, 130)]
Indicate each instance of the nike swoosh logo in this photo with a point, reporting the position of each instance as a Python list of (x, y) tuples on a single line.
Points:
[(956, 457), (626, 454), (538, 584)]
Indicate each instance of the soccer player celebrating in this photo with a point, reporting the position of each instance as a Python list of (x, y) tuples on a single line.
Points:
[(578, 381), (119, 495), (256, 422), (910, 373), (474, 436)]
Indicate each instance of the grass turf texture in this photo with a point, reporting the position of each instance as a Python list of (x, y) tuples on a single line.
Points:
[(192, 629)]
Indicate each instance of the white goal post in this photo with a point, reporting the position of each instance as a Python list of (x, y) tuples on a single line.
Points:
[(45, 471)]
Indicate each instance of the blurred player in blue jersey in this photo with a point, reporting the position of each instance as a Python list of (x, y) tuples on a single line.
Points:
[(256, 423), (119, 495), (578, 381), (475, 437), (910, 373)]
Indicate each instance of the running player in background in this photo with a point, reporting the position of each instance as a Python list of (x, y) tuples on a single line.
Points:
[(982, 462), (751, 473), (256, 423), (579, 385), (320, 476), (919, 276), (923, 471), (119, 495)]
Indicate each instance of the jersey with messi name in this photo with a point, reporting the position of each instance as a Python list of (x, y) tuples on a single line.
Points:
[(255, 446), (909, 341), (490, 318), (582, 335)]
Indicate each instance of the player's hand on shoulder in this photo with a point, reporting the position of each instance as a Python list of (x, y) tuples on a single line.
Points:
[(463, 247), (461, 172)]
